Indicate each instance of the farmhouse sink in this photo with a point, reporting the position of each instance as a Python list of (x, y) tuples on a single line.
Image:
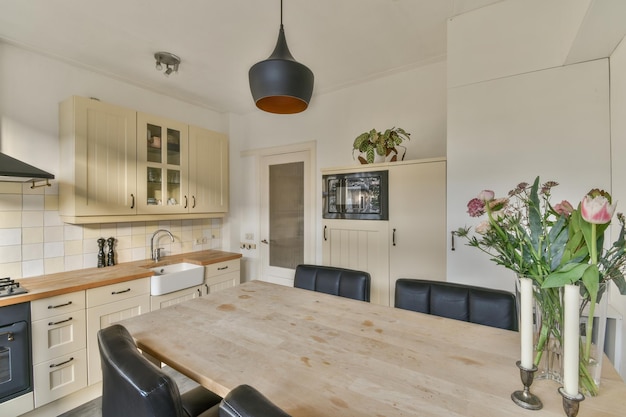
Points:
[(174, 277)]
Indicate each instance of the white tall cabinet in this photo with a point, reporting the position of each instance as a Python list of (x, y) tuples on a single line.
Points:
[(411, 244)]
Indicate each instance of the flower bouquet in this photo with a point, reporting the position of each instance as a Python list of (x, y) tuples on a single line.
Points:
[(554, 245)]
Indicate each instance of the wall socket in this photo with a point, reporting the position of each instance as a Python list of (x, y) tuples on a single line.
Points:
[(249, 236)]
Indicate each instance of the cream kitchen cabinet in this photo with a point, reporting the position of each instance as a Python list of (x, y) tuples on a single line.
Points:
[(208, 171), (411, 244), (98, 174), (59, 346), (132, 166), (110, 304), (417, 222), (162, 170), (161, 301), (221, 275)]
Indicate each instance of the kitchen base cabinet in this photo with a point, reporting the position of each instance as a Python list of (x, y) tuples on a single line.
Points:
[(222, 275), (361, 245), (59, 346), (161, 301), (108, 305)]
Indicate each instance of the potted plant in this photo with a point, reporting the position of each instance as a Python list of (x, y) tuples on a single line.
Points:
[(383, 144)]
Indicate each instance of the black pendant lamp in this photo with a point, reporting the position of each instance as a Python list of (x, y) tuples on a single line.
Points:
[(280, 84)]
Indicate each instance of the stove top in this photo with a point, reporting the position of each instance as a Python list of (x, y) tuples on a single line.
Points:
[(10, 287)]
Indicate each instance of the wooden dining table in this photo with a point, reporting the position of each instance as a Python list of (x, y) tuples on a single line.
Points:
[(315, 354)]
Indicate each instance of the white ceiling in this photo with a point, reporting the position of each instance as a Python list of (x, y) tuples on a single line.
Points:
[(342, 41)]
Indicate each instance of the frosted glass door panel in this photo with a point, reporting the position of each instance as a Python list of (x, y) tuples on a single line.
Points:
[(286, 215)]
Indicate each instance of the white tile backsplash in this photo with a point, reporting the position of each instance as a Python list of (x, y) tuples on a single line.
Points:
[(34, 241), (10, 237), (33, 203)]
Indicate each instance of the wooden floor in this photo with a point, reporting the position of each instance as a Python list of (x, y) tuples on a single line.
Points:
[(94, 408)]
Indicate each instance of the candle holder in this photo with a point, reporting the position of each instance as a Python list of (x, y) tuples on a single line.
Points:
[(525, 398), (571, 404)]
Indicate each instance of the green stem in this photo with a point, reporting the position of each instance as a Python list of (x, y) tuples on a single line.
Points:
[(593, 297)]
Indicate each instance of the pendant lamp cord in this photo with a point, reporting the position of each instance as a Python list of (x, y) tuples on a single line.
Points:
[(281, 13)]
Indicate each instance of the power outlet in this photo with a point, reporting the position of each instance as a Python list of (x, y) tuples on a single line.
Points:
[(249, 236)]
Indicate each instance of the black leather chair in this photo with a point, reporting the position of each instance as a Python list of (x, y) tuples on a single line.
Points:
[(480, 305), (245, 401), (332, 280), (133, 386)]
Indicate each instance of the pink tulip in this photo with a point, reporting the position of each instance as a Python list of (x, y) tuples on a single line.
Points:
[(596, 207)]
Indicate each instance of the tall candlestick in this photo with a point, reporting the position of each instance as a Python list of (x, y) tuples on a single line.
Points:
[(571, 304), (526, 318)]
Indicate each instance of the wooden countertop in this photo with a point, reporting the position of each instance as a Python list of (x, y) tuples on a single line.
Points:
[(65, 282), (315, 354)]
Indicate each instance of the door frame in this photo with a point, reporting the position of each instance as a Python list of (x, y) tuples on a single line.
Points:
[(310, 212)]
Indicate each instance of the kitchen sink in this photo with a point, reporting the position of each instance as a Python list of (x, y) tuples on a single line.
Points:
[(174, 277)]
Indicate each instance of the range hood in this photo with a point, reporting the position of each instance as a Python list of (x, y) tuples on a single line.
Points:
[(12, 170)]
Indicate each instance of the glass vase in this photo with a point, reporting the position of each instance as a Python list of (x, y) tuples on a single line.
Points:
[(547, 319), (592, 351)]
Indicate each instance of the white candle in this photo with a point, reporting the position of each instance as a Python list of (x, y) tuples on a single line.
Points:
[(526, 319), (571, 340)]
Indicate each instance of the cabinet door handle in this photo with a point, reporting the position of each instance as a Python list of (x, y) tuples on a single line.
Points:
[(222, 268), (54, 323), (120, 292), (325, 232), (185, 202), (207, 288), (193, 201), (56, 365), (132, 199), (393, 237), (199, 292), (60, 305)]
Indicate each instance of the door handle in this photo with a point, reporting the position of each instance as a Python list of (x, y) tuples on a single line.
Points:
[(393, 237), (325, 227), (265, 241)]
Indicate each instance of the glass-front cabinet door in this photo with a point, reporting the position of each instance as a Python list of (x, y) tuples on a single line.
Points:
[(162, 165)]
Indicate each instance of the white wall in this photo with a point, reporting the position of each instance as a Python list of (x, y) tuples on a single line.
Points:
[(618, 150), (414, 100)]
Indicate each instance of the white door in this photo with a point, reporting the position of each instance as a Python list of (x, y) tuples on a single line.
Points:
[(286, 214)]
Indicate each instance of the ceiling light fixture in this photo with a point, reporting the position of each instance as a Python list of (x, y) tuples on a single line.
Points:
[(170, 61), (280, 84)]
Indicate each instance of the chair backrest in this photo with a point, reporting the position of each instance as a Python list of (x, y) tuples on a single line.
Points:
[(479, 305), (245, 401), (332, 280), (131, 385)]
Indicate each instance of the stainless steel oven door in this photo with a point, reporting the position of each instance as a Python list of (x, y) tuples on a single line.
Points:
[(14, 361)]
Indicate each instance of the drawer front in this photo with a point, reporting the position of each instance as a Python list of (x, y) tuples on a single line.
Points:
[(117, 292), (221, 268), (60, 377), (59, 304), (59, 335)]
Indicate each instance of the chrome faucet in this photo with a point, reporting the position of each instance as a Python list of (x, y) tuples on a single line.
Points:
[(155, 254)]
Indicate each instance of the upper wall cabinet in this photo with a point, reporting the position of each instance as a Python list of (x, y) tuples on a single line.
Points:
[(131, 166), (98, 174), (162, 165), (208, 171)]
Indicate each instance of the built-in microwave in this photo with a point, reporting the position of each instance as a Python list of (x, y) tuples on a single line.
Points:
[(358, 195)]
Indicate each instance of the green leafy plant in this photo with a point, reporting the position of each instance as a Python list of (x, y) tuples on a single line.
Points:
[(383, 143)]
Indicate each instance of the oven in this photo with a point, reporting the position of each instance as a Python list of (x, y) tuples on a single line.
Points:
[(16, 377)]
